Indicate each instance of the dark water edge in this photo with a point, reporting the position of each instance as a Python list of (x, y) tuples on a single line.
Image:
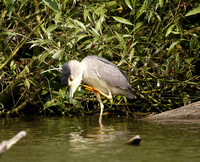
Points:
[(82, 139)]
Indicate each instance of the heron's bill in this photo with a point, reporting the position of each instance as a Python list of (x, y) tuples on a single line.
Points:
[(70, 93), (72, 90)]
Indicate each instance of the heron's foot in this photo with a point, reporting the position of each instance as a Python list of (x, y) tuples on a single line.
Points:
[(92, 90), (97, 92), (87, 87)]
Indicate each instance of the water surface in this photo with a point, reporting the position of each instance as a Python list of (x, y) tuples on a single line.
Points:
[(82, 139)]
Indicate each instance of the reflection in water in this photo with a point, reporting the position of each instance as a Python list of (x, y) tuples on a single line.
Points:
[(82, 139), (87, 139)]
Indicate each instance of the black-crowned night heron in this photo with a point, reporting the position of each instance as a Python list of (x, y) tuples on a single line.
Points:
[(100, 75)]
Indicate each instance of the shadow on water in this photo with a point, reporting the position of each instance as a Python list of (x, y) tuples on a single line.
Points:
[(82, 139)]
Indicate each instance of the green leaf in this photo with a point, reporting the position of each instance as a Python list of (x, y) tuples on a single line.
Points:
[(10, 5), (80, 24), (62, 93), (128, 3), (39, 42), (23, 2), (44, 92), (121, 41), (161, 2), (157, 16), (194, 11), (57, 17), (51, 28), (172, 46), (53, 102), (169, 30), (27, 69), (138, 25), (177, 64), (125, 99), (8, 2), (8, 33), (1, 106), (119, 37), (80, 36), (122, 20), (85, 14), (141, 10), (98, 26), (52, 5), (189, 60), (58, 54), (27, 83), (94, 33), (150, 16), (91, 19), (131, 54), (119, 98), (12, 65), (32, 83)]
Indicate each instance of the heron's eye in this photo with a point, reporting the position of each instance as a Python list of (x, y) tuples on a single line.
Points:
[(70, 79)]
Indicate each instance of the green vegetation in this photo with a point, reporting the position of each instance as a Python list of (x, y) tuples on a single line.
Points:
[(155, 42)]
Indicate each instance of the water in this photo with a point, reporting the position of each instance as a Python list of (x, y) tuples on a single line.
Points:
[(81, 139)]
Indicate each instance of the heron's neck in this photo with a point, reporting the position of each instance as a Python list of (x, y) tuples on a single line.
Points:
[(80, 76), (83, 69)]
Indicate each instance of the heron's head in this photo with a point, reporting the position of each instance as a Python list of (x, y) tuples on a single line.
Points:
[(71, 75)]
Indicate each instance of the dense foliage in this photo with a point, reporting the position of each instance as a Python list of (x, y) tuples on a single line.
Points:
[(155, 42)]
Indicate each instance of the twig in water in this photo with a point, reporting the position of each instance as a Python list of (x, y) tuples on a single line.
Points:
[(7, 144)]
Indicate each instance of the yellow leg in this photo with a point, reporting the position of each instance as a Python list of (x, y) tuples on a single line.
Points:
[(97, 93), (102, 107)]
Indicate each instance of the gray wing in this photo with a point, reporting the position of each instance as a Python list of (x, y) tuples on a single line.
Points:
[(111, 73)]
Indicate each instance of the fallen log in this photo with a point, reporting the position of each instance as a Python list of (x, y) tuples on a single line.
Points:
[(191, 111)]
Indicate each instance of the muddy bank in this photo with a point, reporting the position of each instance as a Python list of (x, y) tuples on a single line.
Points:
[(191, 111)]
